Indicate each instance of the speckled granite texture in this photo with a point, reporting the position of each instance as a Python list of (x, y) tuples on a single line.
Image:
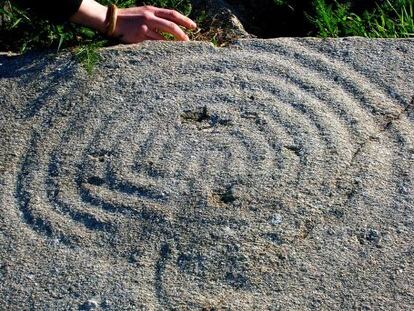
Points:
[(270, 175)]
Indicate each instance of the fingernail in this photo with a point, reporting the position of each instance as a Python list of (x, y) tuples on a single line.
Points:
[(194, 25)]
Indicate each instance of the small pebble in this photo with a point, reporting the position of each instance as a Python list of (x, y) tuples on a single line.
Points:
[(373, 236), (228, 231), (90, 305), (276, 219)]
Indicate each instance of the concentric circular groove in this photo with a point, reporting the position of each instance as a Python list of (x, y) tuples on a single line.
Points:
[(203, 177)]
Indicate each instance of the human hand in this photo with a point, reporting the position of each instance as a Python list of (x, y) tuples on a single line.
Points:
[(134, 24), (137, 24)]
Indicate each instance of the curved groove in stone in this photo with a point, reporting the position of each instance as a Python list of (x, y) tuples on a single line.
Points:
[(259, 155)]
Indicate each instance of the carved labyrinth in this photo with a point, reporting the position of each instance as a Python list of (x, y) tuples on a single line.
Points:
[(215, 156)]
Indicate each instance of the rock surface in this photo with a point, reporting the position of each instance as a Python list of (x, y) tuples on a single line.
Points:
[(270, 175)]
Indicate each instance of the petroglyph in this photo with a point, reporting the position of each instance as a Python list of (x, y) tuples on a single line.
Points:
[(271, 174)]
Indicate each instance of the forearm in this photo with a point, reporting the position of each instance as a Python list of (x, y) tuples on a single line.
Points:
[(91, 14)]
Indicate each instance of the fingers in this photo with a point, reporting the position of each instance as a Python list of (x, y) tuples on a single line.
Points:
[(168, 26), (153, 35), (143, 23), (175, 17)]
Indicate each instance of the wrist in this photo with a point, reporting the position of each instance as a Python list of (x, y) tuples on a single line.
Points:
[(110, 20), (91, 14)]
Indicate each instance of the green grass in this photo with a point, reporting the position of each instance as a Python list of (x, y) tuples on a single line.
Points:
[(88, 55), (390, 19), (21, 31)]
